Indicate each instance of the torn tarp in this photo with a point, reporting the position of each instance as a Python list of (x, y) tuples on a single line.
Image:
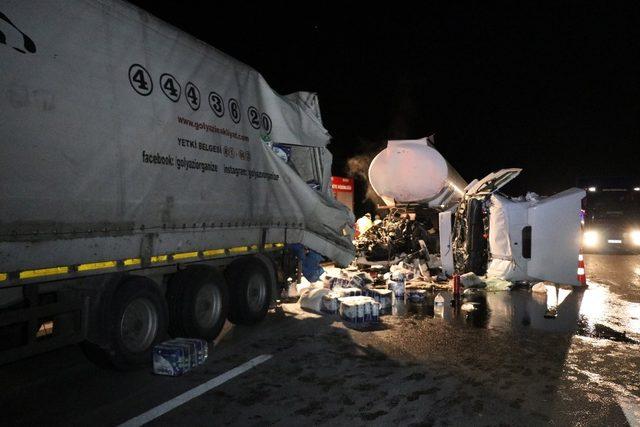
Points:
[(185, 179)]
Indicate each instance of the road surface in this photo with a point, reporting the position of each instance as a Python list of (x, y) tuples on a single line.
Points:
[(504, 364)]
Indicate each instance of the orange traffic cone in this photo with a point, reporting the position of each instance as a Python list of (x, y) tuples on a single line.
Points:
[(582, 278)]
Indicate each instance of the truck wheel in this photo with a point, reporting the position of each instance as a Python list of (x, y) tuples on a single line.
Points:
[(137, 321), (198, 303), (250, 289)]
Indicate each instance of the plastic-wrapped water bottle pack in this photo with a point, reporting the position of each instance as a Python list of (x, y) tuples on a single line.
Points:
[(178, 356)]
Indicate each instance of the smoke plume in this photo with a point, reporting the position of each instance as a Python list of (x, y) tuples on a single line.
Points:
[(358, 168)]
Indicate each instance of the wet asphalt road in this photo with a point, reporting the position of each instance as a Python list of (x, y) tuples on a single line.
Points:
[(505, 364)]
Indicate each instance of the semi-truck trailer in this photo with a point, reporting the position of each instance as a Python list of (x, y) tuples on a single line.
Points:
[(149, 183)]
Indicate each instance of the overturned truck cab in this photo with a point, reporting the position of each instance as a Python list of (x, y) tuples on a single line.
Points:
[(529, 238), (516, 239)]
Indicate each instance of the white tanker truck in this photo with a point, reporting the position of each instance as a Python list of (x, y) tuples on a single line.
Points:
[(518, 239)]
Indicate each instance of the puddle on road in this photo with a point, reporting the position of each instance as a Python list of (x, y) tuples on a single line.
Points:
[(594, 312), (599, 330)]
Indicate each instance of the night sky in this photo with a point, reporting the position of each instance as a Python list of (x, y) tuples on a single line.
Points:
[(553, 89)]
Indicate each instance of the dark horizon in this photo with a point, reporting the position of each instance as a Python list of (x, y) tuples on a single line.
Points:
[(553, 90)]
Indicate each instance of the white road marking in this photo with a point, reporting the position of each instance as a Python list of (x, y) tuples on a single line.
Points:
[(194, 392), (629, 403), (631, 410)]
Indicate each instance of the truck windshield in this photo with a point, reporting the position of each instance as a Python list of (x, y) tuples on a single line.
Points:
[(612, 204)]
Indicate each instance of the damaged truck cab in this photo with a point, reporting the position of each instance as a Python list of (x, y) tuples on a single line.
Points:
[(515, 239), (480, 230)]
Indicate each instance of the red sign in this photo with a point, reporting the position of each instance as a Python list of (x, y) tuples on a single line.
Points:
[(339, 183), (343, 190)]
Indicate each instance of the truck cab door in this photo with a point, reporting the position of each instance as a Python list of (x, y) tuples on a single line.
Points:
[(492, 182), (555, 237)]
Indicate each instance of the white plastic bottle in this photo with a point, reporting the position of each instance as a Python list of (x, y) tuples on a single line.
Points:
[(438, 306)]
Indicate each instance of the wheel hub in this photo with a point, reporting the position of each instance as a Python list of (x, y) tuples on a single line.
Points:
[(208, 306), (256, 292), (139, 325)]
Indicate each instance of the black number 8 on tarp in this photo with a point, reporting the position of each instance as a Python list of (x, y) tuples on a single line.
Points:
[(234, 110)]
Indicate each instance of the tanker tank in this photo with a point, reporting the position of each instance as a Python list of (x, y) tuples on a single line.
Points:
[(413, 172)]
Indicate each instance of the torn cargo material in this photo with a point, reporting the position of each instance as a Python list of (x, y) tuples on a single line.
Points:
[(395, 235)]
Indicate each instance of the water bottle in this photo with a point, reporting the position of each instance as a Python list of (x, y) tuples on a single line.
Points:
[(438, 306)]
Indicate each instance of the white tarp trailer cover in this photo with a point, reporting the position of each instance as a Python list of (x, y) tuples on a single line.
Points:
[(123, 137)]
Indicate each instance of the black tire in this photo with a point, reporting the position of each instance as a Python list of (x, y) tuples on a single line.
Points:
[(137, 320), (198, 302), (250, 289)]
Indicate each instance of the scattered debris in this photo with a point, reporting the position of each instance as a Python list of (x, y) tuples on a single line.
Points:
[(178, 356), (438, 306), (330, 303), (469, 306), (363, 224), (496, 284), (416, 295), (470, 280), (396, 237), (359, 309), (311, 298), (540, 287)]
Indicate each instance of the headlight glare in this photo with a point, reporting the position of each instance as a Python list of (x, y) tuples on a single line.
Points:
[(590, 238), (635, 237)]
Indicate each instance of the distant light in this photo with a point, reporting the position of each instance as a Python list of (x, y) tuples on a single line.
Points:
[(590, 239), (636, 188), (635, 237), (592, 189)]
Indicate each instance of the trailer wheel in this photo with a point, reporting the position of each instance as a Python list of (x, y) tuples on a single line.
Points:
[(137, 321), (250, 289), (198, 303)]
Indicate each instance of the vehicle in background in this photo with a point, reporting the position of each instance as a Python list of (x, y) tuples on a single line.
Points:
[(611, 214), (148, 183)]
